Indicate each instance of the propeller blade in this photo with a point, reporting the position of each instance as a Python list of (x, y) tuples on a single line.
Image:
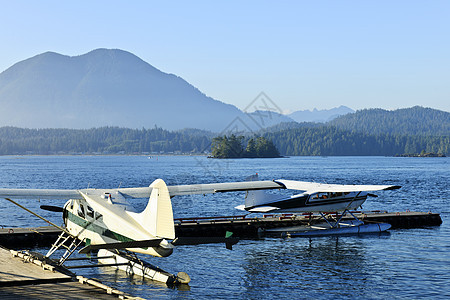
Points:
[(52, 208)]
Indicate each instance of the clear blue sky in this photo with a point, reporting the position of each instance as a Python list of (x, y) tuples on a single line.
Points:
[(302, 54)]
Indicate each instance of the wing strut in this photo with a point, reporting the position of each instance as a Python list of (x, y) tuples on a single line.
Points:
[(35, 214)]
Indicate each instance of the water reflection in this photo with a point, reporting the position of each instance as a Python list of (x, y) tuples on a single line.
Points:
[(316, 266)]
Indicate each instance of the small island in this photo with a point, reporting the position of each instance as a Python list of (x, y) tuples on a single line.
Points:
[(421, 154), (232, 147)]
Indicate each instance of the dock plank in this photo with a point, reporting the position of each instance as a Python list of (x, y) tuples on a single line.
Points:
[(15, 271), (60, 290), (20, 278)]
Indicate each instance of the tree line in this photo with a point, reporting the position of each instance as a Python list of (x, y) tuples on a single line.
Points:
[(318, 140), (104, 140)]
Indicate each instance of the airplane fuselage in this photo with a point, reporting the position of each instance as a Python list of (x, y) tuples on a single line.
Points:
[(314, 202), (102, 218)]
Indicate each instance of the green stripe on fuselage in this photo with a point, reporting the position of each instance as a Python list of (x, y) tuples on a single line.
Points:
[(89, 225)]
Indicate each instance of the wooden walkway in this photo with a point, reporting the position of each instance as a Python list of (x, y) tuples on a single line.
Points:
[(62, 290), (22, 277)]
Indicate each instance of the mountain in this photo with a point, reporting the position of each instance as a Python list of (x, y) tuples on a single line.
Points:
[(104, 88), (416, 120), (265, 118), (320, 116)]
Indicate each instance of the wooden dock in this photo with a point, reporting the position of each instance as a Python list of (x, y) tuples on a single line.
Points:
[(24, 276)]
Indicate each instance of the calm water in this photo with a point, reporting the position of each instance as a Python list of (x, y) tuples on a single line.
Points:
[(413, 263)]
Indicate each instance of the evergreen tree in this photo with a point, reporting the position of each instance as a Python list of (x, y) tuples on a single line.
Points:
[(250, 150)]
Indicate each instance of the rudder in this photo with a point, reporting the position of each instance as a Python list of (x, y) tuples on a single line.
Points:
[(157, 217)]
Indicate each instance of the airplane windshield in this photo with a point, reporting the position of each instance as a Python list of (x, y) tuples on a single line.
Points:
[(80, 211), (323, 195), (89, 211)]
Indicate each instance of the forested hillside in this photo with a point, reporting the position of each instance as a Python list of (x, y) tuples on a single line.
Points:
[(367, 132), (330, 141), (407, 121)]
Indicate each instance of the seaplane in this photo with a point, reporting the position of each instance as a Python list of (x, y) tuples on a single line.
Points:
[(323, 199), (317, 198), (106, 222)]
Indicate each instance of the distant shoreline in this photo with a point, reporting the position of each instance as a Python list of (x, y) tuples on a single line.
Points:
[(430, 154), (18, 156)]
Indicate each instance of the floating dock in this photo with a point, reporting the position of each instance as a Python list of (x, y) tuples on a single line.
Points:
[(215, 229), (243, 227), (24, 276)]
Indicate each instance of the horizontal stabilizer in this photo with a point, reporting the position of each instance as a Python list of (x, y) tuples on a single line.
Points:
[(263, 209), (52, 208), (240, 207), (122, 245)]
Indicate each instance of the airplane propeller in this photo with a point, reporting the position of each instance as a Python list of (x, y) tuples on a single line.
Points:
[(52, 208)]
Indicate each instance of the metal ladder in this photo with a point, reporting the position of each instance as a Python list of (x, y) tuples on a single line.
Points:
[(64, 238)]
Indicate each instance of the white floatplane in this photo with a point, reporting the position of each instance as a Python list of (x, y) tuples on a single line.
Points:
[(316, 198), (103, 219)]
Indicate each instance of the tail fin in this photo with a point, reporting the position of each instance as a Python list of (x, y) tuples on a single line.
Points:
[(255, 198), (157, 217)]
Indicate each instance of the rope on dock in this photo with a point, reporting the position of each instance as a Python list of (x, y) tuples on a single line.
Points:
[(108, 289), (29, 258)]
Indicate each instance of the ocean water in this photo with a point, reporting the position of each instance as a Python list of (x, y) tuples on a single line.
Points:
[(404, 263)]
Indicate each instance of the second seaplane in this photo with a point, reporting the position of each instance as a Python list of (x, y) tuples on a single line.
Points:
[(104, 220)]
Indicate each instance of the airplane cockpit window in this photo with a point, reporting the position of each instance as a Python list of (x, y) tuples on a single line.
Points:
[(320, 196), (80, 211), (89, 211), (98, 215)]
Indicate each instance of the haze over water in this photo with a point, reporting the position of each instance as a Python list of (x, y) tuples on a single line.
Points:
[(406, 263)]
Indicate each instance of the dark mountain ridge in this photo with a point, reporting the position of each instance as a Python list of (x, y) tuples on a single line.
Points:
[(104, 88), (320, 116)]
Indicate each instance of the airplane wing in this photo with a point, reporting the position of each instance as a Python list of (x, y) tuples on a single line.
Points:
[(59, 194), (208, 188), (39, 194), (312, 187), (121, 245), (192, 189), (211, 188)]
